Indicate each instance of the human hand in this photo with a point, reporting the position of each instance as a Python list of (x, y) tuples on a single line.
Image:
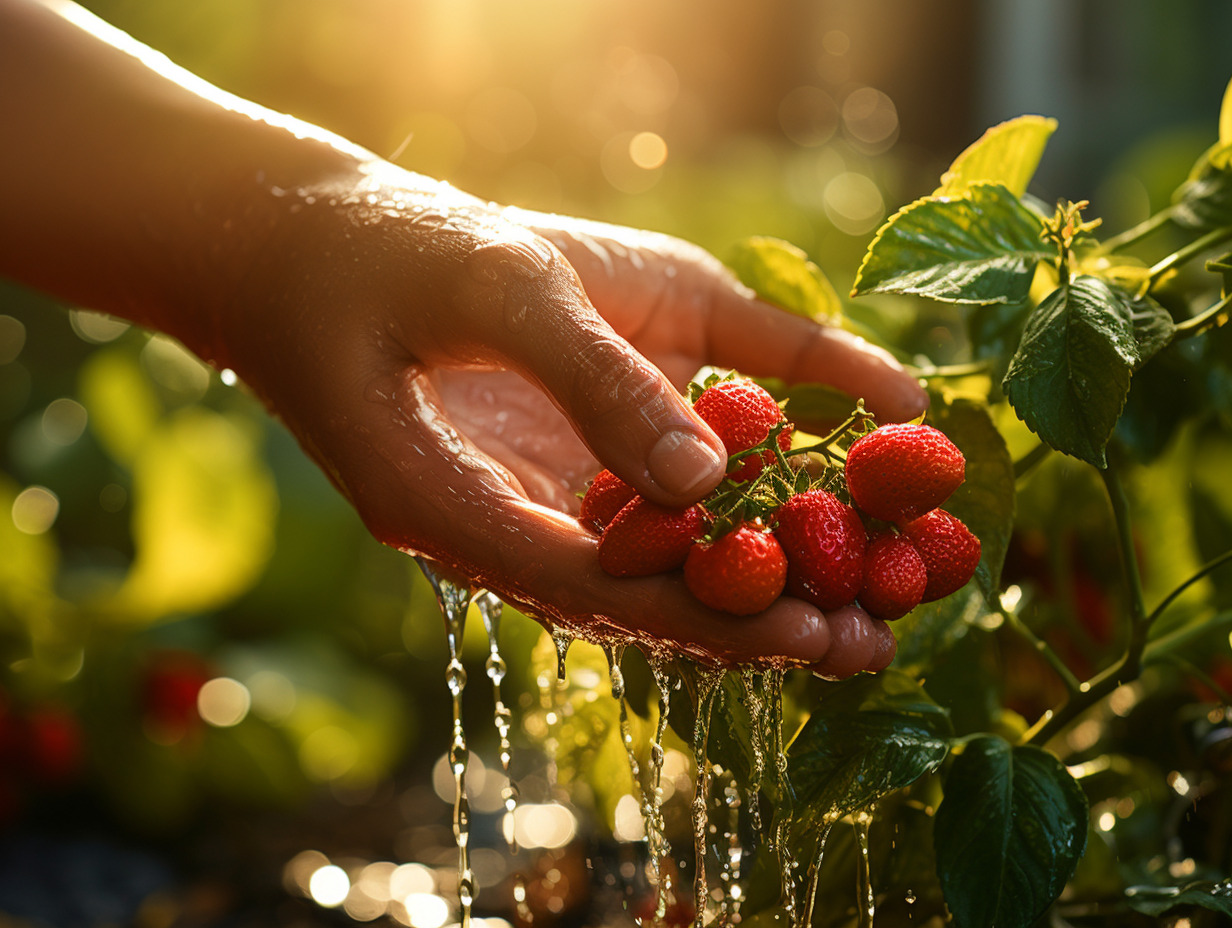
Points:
[(460, 370)]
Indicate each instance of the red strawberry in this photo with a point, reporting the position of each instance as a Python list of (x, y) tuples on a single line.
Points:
[(950, 552), (899, 472), (741, 573), (606, 496), (894, 577), (645, 538), (823, 539), (742, 414)]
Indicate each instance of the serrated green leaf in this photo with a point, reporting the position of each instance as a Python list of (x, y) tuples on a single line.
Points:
[(1008, 835), (980, 248), (869, 736), (782, 274), (1006, 154), (1070, 376), (985, 499), (1204, 201), (1156, 900), (1153, 326)]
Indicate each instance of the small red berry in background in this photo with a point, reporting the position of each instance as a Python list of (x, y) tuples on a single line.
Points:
[(742, 415), (742, 573), (899, 472)]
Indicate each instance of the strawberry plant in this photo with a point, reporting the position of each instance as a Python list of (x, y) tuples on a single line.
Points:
[(1051, 739)]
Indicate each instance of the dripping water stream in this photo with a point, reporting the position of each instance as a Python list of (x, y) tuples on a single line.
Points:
[(708, 680), (866, 905), (454, 601), (656, 836)]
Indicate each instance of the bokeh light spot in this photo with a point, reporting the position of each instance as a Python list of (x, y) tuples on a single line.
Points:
[(35, 509), (223, 702), (870, 119), (96, 328), (648, 150), (425, 910), (809, 116), (854, 203), (63, 421), (329, 886)]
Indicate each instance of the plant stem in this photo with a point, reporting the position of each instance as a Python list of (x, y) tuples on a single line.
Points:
[(1162, 647), (1207, 319), (951, 370), (1193, 670), (1138, 232), (1188, 252), (1171, 597), (1042, 648), (1130, 664)]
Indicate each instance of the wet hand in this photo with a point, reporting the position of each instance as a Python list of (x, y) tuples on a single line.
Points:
[(460, 370)]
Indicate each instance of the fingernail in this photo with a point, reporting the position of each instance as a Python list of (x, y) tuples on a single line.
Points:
[(683, 464)]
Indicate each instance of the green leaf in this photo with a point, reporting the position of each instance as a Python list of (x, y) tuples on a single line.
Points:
[(1006, 154), (1070, 376), (1008, 835), (810, 403), (980, 248), (1204, 201), (869, 736), (1156, 900), (1153, 326), (985, 500), (204, 509), (927, 632), (782, 274)]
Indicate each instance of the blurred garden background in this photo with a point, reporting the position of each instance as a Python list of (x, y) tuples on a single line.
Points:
[(220, 701)]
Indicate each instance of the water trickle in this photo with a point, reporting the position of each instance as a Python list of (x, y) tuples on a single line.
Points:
[(866, 905), (454, 601), (749, 681), (562, 640), (708, 680), (732, 858), (656, 836), (814, 872), (490, 609)]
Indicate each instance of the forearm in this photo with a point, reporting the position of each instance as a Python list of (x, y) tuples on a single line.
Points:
[(133, 187)]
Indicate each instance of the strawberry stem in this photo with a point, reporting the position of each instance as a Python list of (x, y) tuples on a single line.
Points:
[(858, 417)]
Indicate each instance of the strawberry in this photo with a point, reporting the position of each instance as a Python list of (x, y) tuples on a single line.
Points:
[(606, 496), (894, 577), (824, 541), (742, 414), (898, 472), (949, 550), (645, 538), (742, 573)]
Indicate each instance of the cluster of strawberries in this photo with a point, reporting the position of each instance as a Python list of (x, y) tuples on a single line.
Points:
[(771, 527)]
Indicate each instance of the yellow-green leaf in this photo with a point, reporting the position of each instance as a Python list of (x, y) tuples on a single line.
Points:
[(782, 274), (1006, 154), (122, 406), (203, 517)]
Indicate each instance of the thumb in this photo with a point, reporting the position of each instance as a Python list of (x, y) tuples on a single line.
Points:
[(622, 406)]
